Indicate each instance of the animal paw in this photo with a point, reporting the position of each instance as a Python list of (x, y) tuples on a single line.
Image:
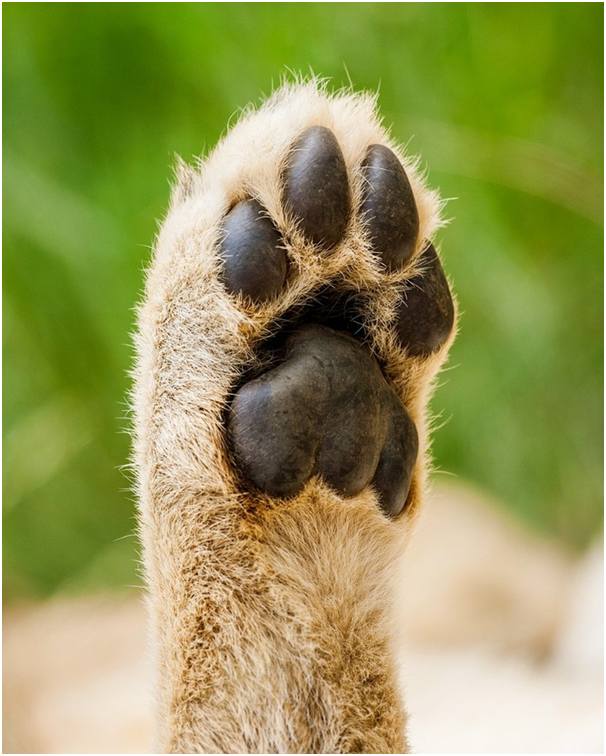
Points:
[(296, 314), (322, 406)]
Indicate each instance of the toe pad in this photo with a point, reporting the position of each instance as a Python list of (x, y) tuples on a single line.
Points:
[(388, 207), (316, 187), (254, 261), (425, 316)]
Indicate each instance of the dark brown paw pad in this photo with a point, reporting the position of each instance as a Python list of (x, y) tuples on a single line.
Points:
[(316, 187), (254, 261), (425, 316), (388, 207), (325, 410)]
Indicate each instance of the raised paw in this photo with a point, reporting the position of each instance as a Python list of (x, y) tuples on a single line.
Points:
[(327, 409), (296, 314)]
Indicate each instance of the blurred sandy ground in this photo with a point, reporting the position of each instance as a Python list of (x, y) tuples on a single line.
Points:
[(500, 645)]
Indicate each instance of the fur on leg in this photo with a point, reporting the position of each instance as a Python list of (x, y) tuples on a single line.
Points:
[(270, 619)]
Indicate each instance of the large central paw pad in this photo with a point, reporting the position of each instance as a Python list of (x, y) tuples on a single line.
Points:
[(327, 409)]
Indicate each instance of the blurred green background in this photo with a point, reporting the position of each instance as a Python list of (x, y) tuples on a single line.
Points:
[(502, 101)]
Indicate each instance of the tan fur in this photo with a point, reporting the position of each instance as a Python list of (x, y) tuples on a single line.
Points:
[(271, 619)]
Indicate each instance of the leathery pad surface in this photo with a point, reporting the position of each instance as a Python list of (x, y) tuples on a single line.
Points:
[(323, 406)]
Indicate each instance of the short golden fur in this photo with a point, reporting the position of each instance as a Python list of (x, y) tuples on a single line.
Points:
[(270, 619)]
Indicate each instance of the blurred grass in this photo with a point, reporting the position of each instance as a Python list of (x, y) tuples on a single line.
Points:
[(504, 103)]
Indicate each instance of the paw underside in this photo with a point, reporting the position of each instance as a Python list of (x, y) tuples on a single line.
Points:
[(322, 404)]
